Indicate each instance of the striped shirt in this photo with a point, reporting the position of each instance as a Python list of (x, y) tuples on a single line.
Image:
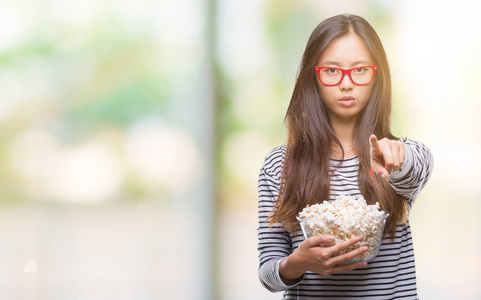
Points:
[(390, 275)]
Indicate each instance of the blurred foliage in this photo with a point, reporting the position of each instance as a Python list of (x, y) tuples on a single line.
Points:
[(75, 82), (133, 100)]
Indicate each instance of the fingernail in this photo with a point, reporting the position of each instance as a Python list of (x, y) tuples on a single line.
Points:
[(364, 249), (364, 264)]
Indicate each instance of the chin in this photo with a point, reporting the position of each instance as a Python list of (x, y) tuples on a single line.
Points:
[(346, 117)]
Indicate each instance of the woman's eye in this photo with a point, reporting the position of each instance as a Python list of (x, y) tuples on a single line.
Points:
[(359, 70), (331, 71)]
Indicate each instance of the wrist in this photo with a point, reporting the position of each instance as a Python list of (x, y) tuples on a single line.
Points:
[(291, 268)]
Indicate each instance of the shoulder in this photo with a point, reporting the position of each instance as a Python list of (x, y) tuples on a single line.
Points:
[(273, 162)]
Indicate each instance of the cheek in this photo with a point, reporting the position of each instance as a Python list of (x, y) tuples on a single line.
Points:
[(366, 94), (325, 93)]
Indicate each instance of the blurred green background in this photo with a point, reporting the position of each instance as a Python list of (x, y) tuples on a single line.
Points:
[(132, 134)]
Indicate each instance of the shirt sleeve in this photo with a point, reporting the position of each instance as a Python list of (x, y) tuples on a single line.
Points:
[(409, 179), (274, 242)]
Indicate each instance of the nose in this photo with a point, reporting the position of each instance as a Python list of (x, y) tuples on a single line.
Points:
[(346, 83)]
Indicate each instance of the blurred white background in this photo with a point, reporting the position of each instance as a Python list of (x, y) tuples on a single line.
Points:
[(132, 134)]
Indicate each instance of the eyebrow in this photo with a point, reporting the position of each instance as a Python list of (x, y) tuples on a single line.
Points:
[(331, 62)]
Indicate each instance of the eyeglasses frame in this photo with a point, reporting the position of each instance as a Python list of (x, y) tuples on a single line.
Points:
[(344, 72)]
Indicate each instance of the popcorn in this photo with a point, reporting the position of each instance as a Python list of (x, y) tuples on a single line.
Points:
[(345, 218)]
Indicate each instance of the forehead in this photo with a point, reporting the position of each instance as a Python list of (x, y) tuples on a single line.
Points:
[(346, 51)]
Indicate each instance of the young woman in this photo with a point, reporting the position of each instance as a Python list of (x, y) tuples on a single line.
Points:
[(338, 124)]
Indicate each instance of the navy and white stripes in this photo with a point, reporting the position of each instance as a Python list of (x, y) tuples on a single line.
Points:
[(390, 275)]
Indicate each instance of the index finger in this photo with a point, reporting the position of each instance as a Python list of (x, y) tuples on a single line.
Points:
[(320, 240), (374, 144), (343, 245)]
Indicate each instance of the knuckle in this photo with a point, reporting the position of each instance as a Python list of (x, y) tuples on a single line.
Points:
[(323, 256), (326, 265), (310, 242)]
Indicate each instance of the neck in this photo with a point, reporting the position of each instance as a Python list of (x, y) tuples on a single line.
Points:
[(343, 131)]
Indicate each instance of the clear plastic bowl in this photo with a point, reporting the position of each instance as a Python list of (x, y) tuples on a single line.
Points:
[(371, 238)]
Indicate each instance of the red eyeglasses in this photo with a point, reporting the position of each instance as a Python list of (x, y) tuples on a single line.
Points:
[(359, 75)]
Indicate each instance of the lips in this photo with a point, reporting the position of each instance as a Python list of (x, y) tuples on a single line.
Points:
[(347, 101)]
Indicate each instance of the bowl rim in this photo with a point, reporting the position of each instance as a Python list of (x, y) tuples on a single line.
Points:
[(301, 219)]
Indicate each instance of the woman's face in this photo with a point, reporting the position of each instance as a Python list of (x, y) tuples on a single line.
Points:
[(345, 100)]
